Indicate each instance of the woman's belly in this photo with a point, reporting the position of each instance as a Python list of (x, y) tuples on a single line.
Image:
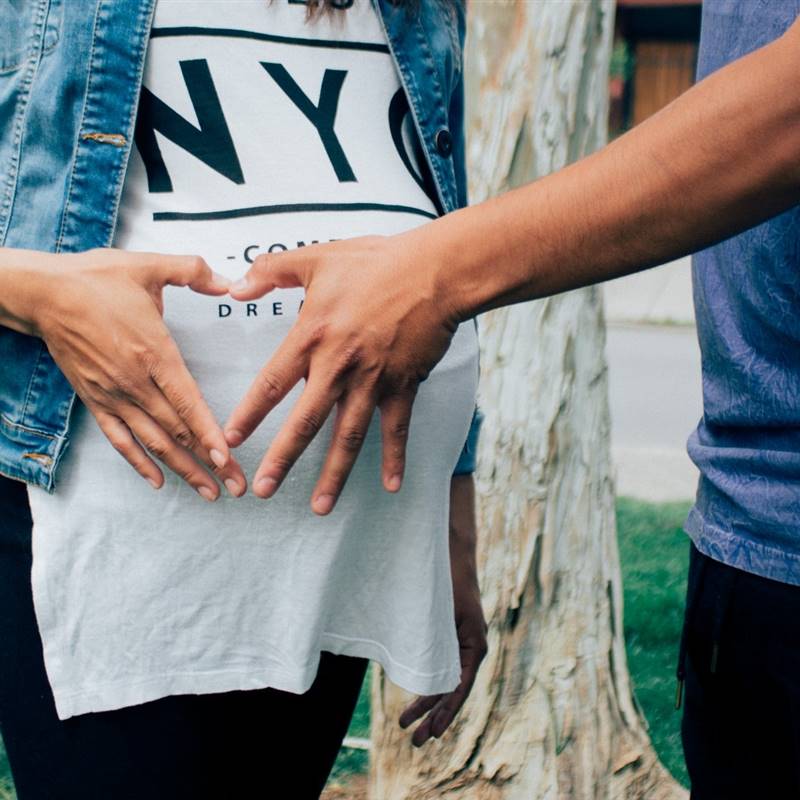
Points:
[(225, 343), (132, 584)]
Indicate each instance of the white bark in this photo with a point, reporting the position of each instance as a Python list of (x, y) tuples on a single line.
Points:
[(552, 713)]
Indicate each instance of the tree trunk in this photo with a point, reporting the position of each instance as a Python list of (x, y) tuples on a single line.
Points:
[(552, 713)]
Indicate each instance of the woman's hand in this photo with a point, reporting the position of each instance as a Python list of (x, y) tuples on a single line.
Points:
[(351, 341), (471, 625), (100, 314)]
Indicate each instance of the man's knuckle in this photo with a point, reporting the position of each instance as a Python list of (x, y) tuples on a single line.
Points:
[(269, 387), (315, 332), (351, 356), (117, 385), (308, 424), (140, 353), (400, 430), (351, 438)]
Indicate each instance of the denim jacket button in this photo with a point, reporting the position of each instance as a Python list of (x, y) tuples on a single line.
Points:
[(444, 142)]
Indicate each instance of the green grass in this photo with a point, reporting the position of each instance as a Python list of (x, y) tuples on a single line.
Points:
[(654, 554), (6, 784), (350, 760)]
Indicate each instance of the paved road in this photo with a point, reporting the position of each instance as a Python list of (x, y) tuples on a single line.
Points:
[(662, 294), (656, 401)]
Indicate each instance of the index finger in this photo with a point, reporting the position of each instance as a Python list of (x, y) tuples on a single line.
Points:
[(275, 380)]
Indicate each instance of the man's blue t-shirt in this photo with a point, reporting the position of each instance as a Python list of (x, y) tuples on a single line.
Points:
[(747, 305)]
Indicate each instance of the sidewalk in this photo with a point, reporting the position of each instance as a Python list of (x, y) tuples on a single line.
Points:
[(662, 295), (654, 382)]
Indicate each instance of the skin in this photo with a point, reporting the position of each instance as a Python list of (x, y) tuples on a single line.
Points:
[(100, 315), (438, 711), (721, 158)]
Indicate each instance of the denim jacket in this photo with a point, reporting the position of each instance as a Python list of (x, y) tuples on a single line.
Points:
[(70, 77)]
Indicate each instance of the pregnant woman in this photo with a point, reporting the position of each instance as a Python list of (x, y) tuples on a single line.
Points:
[(156, 644)]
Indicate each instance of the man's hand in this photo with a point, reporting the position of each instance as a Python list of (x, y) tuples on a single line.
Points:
[(470, 623), (100, 314), (371, 327)]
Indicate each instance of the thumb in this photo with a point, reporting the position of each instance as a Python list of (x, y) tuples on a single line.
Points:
[(273, 271), (191, 271)]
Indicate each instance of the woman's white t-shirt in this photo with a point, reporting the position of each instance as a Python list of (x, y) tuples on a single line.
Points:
[(256, 131)]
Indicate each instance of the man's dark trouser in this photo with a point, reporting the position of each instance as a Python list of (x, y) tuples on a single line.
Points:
[(258, 743), (741, 718)]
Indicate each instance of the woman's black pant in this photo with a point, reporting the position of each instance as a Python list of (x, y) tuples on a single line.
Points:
[(258, 743), (741, 719)]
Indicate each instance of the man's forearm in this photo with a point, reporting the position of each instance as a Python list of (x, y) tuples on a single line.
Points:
[(719, 159)]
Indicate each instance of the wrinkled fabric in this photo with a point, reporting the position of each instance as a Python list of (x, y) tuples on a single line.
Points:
[(747, 299), (141, 594)]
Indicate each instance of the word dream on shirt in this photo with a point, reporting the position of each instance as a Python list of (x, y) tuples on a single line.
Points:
[(251, 310)]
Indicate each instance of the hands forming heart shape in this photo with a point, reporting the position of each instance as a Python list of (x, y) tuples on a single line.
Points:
[(358, 344)]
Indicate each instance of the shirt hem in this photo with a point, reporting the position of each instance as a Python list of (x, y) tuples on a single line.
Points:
[(742, 553), (123, 693)]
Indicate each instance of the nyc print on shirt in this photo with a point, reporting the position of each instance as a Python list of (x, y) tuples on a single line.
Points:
[(256, 132)]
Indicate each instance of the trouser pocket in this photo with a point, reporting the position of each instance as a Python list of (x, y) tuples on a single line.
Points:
[(723, 585)]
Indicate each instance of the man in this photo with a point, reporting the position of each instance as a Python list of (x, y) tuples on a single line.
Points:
[(721, 161)]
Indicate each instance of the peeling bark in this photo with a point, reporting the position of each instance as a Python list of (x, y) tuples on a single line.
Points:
[(552, 713)]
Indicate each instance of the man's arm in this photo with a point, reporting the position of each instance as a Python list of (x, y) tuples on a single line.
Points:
[(721, 158)]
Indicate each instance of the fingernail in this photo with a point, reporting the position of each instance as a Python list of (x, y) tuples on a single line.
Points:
[(232, 486), (154, 483), (220, 280), (266, 486), (217, 458), (205, 492), (240, 285), (324, 503), (393, 484), (233, 437)]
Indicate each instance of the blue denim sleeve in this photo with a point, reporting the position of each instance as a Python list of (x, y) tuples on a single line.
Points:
[(466, 461)]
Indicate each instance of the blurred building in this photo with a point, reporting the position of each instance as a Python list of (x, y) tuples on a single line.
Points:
[(654, 57), (653, 355)]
